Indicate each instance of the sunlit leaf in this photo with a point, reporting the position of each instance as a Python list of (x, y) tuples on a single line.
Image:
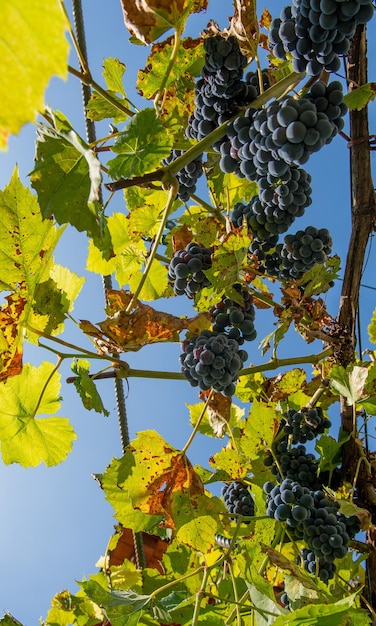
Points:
[(67, 179), (261, 426), (358, 98), (244, 25), (33, 48), (99, 108), (189, 60), (25, 438), (372, 328), (113, 73), (149, 19), (86, 387), (330, 451), (349, 383), (11, 338), (155, 284), (140, 147)]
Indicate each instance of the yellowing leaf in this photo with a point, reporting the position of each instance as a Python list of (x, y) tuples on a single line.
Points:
[(10, 336), (244, 25), (25, 438), (33, 48)]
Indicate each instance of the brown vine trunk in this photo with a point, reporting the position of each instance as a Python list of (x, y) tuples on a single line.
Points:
[(363, 216)]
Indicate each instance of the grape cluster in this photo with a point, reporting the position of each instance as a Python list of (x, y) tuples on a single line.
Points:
[(188, 176), (313, 564), (221, 89), (289, 502), (212, 360), (326, 534), (305, 425), (234, 319), (266, 141), (316, 32), (238, 499), (272, 212), (186, 269), (296, 464), (299, 253)]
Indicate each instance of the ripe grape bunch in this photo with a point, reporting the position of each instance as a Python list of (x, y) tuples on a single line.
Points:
[(188, 176), (234, 319), (186, 269), (238, 499), (305, 425), (296, 464), (299, 253), (289, 502), (316, 32), (272, 212), (212, 360)]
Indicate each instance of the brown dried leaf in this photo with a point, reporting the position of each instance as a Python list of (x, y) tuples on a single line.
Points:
[(181, 238), (244, 26), (149, 19), (219, 411), (143, 325), (10, 336), (266, 19)]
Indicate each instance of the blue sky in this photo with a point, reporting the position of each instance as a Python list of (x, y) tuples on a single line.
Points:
[(56, 522)]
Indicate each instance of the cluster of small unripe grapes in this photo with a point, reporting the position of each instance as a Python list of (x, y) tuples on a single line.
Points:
[(238, 499), (234, 319), (299, 253), (188, 176), (212, 360), (185, 271), (316, 32), (305, 425)]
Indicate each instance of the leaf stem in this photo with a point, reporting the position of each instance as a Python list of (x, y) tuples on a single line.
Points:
[(171, 63), (277, 363), (86, 79), (199, 596), (236, 596), (197, 425), (170, 200), (52, 373), (81, 56)]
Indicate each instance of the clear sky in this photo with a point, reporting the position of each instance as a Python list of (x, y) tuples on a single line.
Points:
[(56, 522)]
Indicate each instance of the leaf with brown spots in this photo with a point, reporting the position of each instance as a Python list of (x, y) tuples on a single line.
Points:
[(149, 19), (11, 337), (244, 26), (266, 19), (141, 326)]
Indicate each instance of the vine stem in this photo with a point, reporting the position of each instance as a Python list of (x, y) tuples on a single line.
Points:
[(236, 595), (170, 200), (203, 146), (197, 426), (199, 596), (277, 363), (174, 54)]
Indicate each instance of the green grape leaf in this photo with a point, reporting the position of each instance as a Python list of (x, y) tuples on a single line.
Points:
[(120, 606), (113, 73), (196, 519), (235, 464), (320, 277), (220, 415), (372, 328), (149, 20), (145, 220), (140, 147), (275, 337), (33, 49), (228, 259), (333, 614), (27, 241), (67, 179), (155, 285), (349, 383), (99, 108), (229, 189), (121, 490), (86, 387), (189, 60), (54, 298), (25, 438), (250, 387), (330, 450), (149, 199), (260, 429), (358, 98)]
